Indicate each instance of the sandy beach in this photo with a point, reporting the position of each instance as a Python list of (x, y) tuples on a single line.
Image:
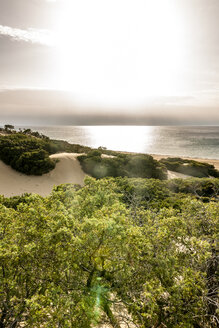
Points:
[(67, 170)]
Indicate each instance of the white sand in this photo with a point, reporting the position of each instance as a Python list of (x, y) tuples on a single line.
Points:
[(177, 175), (107, 156), (67, 170)]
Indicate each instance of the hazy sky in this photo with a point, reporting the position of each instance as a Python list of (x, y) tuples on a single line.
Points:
[(109, 61)]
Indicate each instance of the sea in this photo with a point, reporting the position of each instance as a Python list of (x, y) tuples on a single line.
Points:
[(187, 141)]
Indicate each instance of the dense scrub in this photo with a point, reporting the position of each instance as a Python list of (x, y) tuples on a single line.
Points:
[(190, 167), (118, 250), (64, 146), (157, 194), (143, 166), (26, 154)]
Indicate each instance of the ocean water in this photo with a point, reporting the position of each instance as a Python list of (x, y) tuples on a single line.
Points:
[(189, 141)]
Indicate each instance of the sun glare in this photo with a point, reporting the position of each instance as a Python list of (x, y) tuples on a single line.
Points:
[(108, 136), (119, 52)]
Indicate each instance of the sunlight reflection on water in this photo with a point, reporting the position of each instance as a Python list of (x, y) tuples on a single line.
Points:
[(138, 138), (196, 141)]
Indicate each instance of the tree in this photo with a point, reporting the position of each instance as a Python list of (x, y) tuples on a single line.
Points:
[(26, 154), (80, 257), (8, 127)]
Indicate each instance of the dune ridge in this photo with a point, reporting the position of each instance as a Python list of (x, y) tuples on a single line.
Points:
[(67, 170)]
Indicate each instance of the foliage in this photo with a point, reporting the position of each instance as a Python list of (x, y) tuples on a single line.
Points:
[(88, 255), (143, 166), (190, 167), (64, 146), (98, 163), (26, 153), (35, 162), (55, 146), (8, 127), (154, 193)]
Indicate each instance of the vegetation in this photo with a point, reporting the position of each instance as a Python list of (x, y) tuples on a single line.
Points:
[(54, 145), (8, 127), (132, 249), (190, 167), (64, 146), (26, 154), (122, 165), (118, 250)]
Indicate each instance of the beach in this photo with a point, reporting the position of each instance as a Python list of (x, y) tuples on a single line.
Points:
[(67, 170)]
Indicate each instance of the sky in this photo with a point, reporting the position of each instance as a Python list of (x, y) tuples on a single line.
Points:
[(151, 62)]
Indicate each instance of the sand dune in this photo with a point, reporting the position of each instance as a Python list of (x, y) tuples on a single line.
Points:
[(67, 170)]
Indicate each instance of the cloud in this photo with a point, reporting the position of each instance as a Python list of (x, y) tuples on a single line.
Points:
[(43, 37), (59, 107)]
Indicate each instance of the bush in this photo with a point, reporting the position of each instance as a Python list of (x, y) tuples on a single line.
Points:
[(143, 166), (26, 154), (84, 258), (35, 162), (190, 167)]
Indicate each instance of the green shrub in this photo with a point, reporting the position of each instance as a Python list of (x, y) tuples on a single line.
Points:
[(190, 167), (143, 166), (82, 257), (35, 162), (26, 154)]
